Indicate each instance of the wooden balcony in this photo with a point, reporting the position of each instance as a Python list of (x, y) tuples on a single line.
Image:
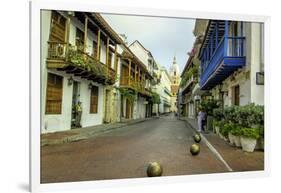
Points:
[(67, 58), (135, 85)]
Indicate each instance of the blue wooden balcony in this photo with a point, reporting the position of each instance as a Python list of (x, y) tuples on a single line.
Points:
[(221, 54)]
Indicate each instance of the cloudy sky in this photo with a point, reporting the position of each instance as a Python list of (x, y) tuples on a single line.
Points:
[(163, 37)]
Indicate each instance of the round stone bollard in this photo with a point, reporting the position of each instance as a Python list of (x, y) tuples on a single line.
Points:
[(195, 149), (154, 169), (197, 138)]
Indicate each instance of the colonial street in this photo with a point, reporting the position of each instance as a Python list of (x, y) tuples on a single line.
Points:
[(125, 153)]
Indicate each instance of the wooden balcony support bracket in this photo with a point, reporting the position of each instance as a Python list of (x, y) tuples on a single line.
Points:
[(85, 34), (129, 79), (98, 46)]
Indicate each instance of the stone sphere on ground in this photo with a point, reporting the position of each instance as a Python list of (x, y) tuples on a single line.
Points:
[(197, 138), (195, 149), (154, 169)]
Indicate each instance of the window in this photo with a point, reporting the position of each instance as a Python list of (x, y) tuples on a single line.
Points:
[(54, 94), (110, 59), (57, 32), (79, 42), (95, 49), (94, 99)]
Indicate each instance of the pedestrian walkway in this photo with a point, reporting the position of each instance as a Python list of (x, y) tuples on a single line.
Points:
[(237, 159), (85, 132)]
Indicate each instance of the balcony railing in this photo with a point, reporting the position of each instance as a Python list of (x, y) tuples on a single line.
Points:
[(63, 57), (135, 85)]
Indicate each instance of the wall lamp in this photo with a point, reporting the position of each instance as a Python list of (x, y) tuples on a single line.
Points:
[(90, 86), (70, 81)]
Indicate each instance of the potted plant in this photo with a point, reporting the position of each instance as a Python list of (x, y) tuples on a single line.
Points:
[(236, 133), (224, 130), (208, 106), (249, 138), (218, 118), (216, 125), (231, 126)]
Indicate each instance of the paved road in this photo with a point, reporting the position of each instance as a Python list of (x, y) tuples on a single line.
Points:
[(125, 153)]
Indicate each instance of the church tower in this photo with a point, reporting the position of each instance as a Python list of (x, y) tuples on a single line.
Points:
[(175, 72), (175, 77)]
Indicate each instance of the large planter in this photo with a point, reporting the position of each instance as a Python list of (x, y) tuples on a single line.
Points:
[(217, 130), (210, 123), (236, 140), (231, 139), (248, 144)]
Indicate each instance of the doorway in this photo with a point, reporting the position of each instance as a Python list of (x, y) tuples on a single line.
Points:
[(75, 99), (236, 95)]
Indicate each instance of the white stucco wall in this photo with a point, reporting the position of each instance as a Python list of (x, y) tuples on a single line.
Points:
[(165, 83), (140, 53), (257, 91), (60, 122)]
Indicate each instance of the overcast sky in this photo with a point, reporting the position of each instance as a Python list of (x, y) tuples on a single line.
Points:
[(163, 37)]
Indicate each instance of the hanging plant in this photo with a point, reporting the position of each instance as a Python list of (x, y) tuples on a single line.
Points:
[(128, 93)]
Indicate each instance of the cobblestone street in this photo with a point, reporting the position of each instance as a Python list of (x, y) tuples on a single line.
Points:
[(125, 152)]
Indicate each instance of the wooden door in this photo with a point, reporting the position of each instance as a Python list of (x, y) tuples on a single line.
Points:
[(128, 109), (236, 95)]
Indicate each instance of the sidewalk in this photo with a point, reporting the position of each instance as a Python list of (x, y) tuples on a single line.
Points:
[(85, 132), (237, 159)]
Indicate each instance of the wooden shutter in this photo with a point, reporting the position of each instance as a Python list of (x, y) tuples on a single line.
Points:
[(54, 94), (94, 99), (58, 29)]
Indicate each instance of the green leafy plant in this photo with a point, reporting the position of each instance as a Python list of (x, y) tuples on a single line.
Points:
[(236, 130), (128, 93), (209, 105), (218, 114), (253, 133), (156, 98), (227, 127)]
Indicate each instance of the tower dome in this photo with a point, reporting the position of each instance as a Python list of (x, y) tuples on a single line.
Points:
[(174, 69)]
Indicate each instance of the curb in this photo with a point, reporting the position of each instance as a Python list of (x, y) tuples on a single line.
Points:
[(79, 137), (212, 148)]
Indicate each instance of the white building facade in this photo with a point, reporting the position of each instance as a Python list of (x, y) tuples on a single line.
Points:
[(238, 80), (69, 41)]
